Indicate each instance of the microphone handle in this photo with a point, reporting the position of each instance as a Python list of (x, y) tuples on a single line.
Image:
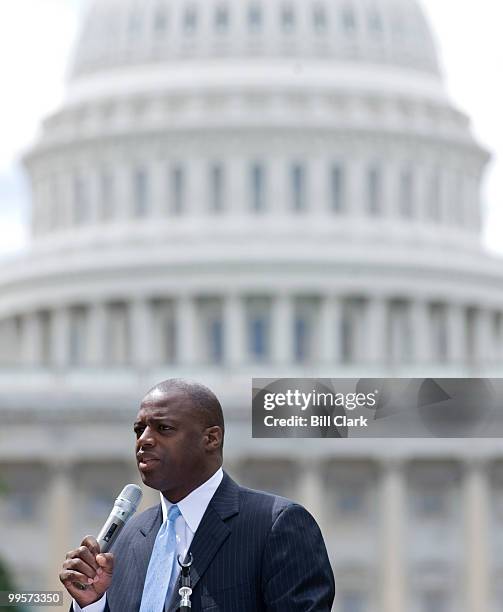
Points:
[(109, 532)]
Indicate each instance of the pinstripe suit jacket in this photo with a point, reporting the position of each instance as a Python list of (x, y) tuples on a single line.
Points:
[(252, 552)]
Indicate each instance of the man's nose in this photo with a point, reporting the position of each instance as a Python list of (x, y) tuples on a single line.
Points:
[(146, 438)]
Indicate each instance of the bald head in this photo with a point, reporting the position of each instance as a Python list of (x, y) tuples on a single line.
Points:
[(201, 400)]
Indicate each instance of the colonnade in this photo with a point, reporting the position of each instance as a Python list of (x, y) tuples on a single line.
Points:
[(337, 329)]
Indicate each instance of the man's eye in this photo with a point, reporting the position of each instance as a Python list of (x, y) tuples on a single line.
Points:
[(165, 427)]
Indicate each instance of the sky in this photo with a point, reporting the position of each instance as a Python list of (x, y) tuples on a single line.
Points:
[(35, 44)]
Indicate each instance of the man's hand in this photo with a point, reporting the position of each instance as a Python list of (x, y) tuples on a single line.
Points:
[(87, 573)]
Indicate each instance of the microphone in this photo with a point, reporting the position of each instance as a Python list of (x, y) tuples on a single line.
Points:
[(124, 507)]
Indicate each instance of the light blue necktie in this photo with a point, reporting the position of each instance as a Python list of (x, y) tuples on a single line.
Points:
[(162, 569)]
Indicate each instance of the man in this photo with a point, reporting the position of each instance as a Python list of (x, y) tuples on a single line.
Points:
[(251, 551)]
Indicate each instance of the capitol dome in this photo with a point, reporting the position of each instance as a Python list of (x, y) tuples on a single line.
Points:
[(235, 186), (120, 33)]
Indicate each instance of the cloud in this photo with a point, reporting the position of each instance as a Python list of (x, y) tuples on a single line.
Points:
[(35, 38)]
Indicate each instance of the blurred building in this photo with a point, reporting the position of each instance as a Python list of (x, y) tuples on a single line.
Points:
[(256, 188)]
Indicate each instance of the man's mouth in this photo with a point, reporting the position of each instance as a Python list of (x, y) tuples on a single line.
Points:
[(146, 462)]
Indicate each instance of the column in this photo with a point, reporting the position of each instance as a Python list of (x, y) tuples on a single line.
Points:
[(186, 332), (456, 334), (376, 347), (60, 337), (477, 570), (31, 339), (393, 515), (60, 501), (311, 492), (330, 328), (282, 329), (97, 334), (420, 319), (234, 330)]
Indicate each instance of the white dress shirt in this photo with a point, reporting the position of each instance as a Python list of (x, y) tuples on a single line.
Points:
[(192, 509)]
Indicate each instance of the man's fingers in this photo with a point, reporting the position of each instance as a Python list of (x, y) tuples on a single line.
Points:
[(91, 543), (106, 562), (69, 577), (80, 566), (85, 554)]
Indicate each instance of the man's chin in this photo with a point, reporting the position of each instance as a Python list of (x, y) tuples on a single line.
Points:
[(150, 480)]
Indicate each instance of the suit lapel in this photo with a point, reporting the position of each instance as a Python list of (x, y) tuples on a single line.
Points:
[(212, 531), (143, 544)]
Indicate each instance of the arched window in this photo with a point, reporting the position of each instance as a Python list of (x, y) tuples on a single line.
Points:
[(81, 202), (190, 20), (287, 18), (118, 334), (254, 18), (374, 191), (337, 189), (141, 193), (46, 322), (439, 332), (222, 19), (107, 195), (216, 339), (319, 18), (400, 333), (217, 188), (78, 334), (135, 24), (348, 20), (160, 20), (298, 181), (177, 189), (406, 202), (258, 187), (375, 22), (305, 330), (434, 200), (258, 329), (163, 315), (258, 337)]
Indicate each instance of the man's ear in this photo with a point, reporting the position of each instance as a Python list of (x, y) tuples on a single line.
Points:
[(213, 438)]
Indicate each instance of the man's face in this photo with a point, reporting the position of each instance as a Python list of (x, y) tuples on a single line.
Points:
[(171, 444)]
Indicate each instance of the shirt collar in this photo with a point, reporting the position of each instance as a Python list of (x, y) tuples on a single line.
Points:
[(193, 506)]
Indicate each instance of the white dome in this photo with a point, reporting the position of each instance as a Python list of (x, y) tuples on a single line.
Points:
[(120, 33)]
